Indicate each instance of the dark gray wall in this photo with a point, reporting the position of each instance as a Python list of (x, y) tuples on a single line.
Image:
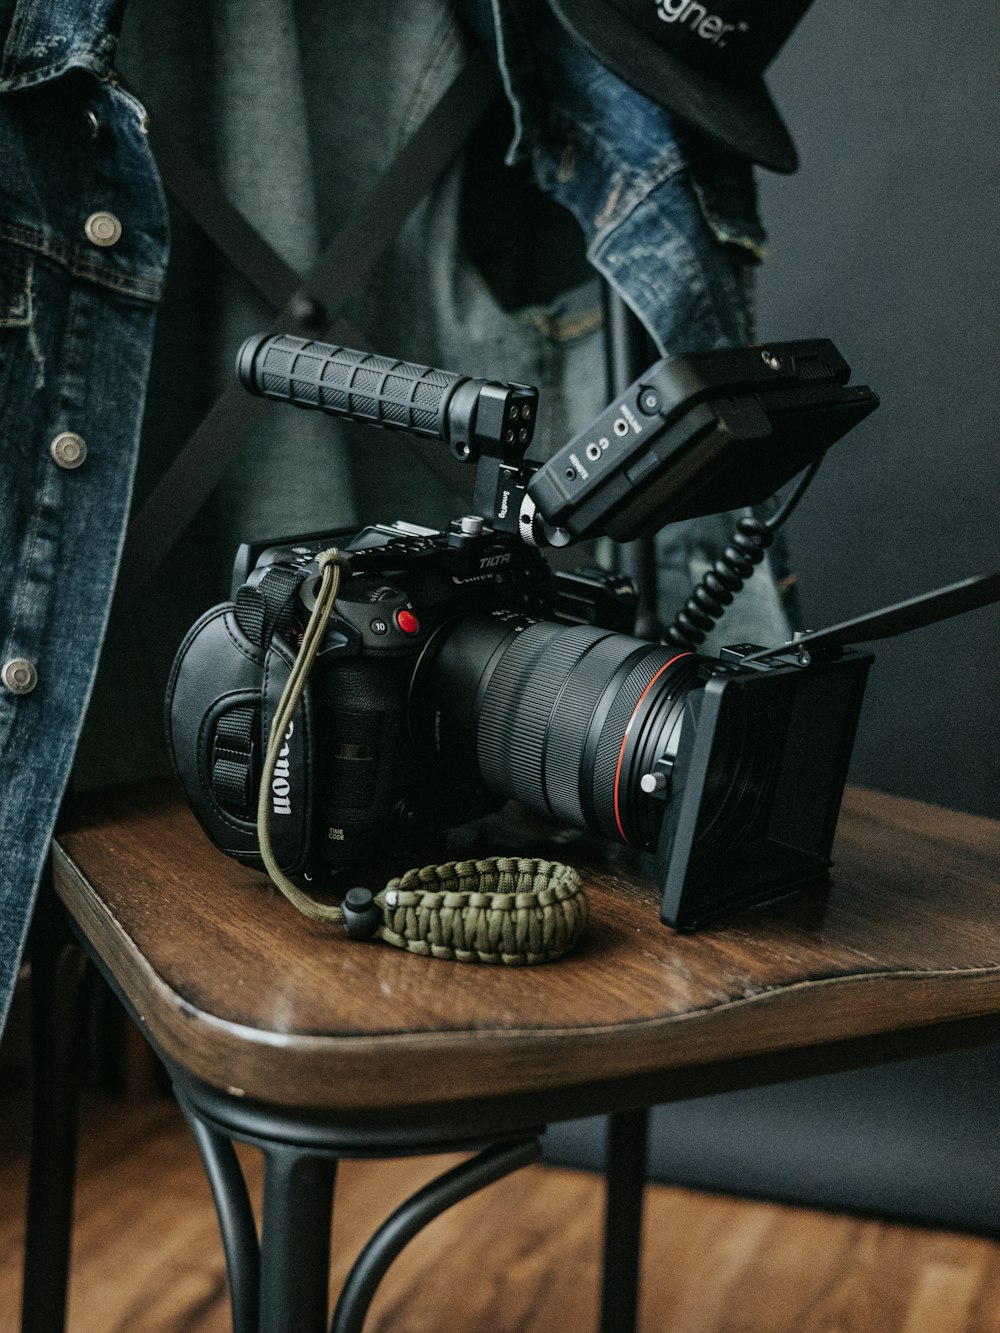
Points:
[(885, 241)]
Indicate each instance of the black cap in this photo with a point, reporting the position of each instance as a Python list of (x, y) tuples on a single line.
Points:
[(703, 61)]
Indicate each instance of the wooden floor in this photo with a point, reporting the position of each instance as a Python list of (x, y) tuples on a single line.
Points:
[(522, 1256)]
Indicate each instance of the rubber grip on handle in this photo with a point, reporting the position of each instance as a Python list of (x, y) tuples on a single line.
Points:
[(395, 395)]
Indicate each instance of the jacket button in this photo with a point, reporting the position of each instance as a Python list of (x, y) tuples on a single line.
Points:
[(19, 675), (103, 228), (68, 449)]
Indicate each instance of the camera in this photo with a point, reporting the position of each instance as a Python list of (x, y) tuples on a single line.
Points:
[(459, 670)]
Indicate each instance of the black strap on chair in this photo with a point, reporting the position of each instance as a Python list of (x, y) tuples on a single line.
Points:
[(310, 304)]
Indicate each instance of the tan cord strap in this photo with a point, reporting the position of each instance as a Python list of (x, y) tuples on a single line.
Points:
[(332, 564), (504, 909)]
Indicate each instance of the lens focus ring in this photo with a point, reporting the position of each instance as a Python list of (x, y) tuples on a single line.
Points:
[(516, 708), (566, 719), (572, 718)]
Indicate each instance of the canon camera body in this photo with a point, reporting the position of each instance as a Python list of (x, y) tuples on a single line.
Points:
[(357, 776)]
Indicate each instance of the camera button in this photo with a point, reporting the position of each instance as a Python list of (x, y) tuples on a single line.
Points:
[(379, 627), (407, 622)]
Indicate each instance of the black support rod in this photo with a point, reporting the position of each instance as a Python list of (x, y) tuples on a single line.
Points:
[(57, 966), (499, 1160), (626, 1179), (295, 1240), (232, 1204)]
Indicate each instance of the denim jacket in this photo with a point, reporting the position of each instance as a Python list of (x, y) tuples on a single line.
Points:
[(83, 246), (671, 222)]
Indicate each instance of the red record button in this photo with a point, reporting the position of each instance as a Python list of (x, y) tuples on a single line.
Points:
[(407, 622)]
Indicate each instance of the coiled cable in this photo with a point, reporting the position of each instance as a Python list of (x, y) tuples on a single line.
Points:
[(729, 574)]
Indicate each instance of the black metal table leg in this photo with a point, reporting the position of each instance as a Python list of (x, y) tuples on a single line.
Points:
[(295, 1239), (435, 1198), (236, 1222), (626, 1179), (57, 967)]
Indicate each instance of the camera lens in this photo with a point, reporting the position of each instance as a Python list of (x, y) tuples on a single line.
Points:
[(566, 719)]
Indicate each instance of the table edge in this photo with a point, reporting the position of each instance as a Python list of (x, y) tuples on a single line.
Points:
[(352, 1071)]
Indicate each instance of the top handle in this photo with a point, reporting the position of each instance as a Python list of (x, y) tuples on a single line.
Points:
[(345, 383), (469, 415)]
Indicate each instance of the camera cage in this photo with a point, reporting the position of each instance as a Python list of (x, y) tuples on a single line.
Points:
[(694, 435)]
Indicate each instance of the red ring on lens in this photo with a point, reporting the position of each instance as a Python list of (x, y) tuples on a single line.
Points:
[(621, 752)]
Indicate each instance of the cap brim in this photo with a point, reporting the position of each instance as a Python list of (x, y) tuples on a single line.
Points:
[(741, 116)]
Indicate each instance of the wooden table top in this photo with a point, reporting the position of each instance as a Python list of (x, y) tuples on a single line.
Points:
[(248, 995)]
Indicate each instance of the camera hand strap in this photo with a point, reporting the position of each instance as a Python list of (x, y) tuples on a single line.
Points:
[(508, 909)]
